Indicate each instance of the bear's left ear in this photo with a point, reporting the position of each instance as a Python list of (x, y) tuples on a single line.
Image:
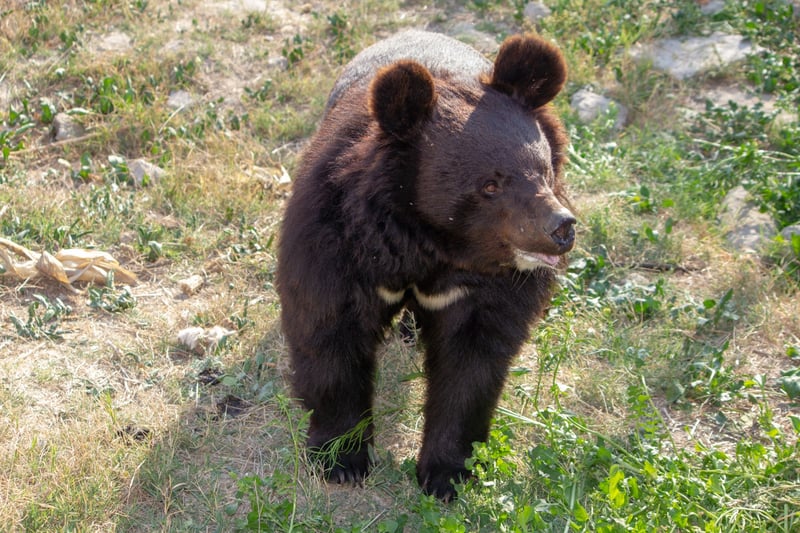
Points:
[(402, 98), (530, 69)]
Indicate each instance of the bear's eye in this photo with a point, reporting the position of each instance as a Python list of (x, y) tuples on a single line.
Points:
[(491, 188)]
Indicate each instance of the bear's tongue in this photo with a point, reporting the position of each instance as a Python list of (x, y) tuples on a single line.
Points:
[(551, 260), (529, 260)]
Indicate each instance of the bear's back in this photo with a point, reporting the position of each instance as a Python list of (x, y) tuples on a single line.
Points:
[(444, 56)]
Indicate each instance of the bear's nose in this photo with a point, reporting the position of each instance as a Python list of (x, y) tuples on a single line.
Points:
[(564, 234)]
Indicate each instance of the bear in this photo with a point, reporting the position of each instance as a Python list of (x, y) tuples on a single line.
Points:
[(433, 184)]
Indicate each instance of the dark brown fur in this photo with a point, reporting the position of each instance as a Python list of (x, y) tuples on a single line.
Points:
[(418, 191)]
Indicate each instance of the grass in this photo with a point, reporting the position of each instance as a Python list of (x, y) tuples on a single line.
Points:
[(660, 392)]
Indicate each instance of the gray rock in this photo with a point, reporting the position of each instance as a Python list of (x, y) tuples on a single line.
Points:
[(112, 42), (685, 57), (723, 95), (747, 229), (139, 169), (278, 63), (713, 7), (789, 231), (240, 6), (590, 105), (65, 127), (466, 32), (179, 99), (535, 11)]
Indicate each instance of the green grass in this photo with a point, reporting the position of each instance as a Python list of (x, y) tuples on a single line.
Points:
[(659, 394)]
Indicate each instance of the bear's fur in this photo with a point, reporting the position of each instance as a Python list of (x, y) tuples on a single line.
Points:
[(434, 184)]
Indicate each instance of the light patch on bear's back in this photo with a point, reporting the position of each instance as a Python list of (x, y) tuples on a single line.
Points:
[(431, 302)]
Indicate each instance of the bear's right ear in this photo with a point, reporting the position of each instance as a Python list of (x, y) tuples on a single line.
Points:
[(402, 98), (529, 69)]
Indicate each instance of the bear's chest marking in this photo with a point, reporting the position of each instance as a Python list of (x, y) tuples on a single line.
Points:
[(390, 297), (431, 302)]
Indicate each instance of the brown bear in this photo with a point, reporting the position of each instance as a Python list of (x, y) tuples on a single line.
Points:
[(433, 184)]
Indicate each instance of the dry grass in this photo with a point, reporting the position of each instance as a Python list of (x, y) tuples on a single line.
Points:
[(113, 425)]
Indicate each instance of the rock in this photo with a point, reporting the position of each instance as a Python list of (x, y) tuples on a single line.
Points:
[(535, 11), (685, 57), (590, 105), (65, 127), (789, 231), (723, 95), (174, 46), (712, 8), (466, 32), (191, 285), (179, 99), (747, 229), (241, 6), (139, 169), (112, 42), (279, 63)]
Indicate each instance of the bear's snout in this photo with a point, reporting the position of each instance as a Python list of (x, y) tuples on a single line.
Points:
[(564, 233)]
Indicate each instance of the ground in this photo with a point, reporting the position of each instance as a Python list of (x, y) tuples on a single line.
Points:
[(110, 423)]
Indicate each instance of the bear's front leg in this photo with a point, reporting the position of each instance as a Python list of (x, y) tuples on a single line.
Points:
[(469, 350), (333, 375)]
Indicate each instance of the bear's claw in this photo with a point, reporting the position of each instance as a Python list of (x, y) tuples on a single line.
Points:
[(441, 482), (345, 469)]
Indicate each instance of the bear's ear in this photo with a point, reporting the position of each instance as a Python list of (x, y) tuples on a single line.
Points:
[(402, 98), (530, 69)]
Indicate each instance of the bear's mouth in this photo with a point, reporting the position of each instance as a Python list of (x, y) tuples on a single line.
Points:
[(530, 260)]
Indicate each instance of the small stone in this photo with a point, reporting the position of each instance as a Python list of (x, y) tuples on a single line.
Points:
[(191, 285), (113, 42), (240, 6), (790, 231), (535, 11), (65, 127), (278, 63), (748, 229), (468, 33), (713, 7), (141, 169), (179, 100), (590, 105)]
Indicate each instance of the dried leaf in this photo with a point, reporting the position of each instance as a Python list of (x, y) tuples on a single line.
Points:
[(22, 270), (18, 249), (52, 268), (93, 266), (66, 266)]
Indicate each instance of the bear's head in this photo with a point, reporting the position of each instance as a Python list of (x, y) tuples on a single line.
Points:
[(489, 155)]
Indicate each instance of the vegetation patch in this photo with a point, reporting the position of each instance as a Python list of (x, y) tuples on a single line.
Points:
[(660, 392)]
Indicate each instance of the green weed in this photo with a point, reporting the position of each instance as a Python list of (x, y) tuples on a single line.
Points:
[(642, 327), (44, 319), (342, 33), (108, 299), (294, 49)]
